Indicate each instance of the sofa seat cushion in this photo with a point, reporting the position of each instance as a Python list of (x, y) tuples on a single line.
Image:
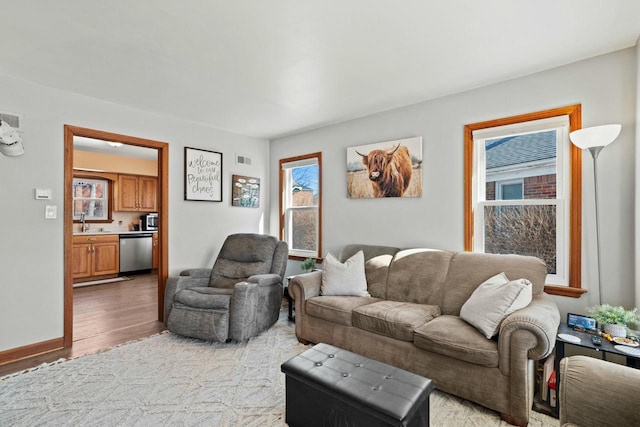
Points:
[(336, 309), (204, 297), (393, 318), (451, 336)]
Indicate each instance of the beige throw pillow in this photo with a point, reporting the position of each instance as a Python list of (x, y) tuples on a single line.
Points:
[(494, 300), (346, 278)]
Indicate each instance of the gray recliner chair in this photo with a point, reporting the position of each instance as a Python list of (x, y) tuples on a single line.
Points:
[(235, 300)]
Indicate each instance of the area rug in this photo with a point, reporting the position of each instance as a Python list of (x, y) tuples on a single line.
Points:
[(168, 380)]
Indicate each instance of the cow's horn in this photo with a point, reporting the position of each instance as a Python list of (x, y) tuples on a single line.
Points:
[(395, 149), (363, 155)]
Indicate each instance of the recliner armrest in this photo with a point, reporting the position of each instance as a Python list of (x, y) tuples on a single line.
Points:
[(265, 279)]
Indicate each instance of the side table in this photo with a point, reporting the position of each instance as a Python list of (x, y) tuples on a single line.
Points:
[(632, 360), (287, 295)]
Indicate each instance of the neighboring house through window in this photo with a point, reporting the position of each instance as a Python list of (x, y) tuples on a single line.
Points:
[(522, 174), (91, 198), (301, 205), (509, 190)]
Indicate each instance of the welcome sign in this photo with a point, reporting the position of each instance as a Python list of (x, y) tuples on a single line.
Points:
[(202, 175)]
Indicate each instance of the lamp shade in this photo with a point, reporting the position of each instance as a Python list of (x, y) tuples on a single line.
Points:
[(596, 136)]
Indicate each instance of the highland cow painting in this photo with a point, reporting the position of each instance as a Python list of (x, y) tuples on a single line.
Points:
[(385, 169)]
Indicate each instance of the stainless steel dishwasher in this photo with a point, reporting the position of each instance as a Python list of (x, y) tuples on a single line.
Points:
[(136, 252)]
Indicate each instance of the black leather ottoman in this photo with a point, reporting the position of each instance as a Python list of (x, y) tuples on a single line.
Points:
[(328, 386)]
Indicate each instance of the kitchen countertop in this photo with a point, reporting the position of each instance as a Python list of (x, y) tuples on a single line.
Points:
[(94, 232)]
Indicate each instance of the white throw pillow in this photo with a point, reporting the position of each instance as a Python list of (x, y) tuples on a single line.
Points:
[(346, 278), (494, 300)]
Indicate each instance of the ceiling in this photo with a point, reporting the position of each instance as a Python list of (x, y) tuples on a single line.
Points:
[(272, 68), (116, 149)]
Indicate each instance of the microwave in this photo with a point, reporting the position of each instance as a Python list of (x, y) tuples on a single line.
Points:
[(149, 222)]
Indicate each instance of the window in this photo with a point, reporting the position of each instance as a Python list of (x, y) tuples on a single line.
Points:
[(523, 192), (301, 205), (509, 190), (91, 198)]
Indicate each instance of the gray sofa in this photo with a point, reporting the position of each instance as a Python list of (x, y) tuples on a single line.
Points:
[(597, 393), (497, 373)]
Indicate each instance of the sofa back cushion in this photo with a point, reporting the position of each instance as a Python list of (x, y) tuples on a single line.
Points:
[(468, 270), (418, 276), (376, 265)]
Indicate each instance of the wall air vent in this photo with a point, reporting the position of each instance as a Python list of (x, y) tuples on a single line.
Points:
[(243, 160), (12, 119)]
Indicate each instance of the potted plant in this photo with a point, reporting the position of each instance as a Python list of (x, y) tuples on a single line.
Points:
[(308, 264), (614, 319)]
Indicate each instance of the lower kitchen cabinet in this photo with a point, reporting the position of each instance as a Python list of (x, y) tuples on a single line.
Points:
[(95, 255)]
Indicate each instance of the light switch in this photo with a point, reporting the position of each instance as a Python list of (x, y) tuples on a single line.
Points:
[(50, 212), (43, 193)]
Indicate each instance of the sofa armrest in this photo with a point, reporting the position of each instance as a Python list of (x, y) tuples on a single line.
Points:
[(595, 392), (541, 318), (178, 283), (265, 279), (305, 286), (301, 288)]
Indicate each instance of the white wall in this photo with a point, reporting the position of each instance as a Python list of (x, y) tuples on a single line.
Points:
[(605, 86), (637, 194), (31, 247)]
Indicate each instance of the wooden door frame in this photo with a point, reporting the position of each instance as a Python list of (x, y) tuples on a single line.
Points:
[(163, 213)]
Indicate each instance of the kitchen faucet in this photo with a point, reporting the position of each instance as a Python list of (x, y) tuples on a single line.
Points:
[(84, 226)]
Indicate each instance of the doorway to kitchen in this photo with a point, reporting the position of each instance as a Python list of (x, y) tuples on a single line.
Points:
[(161, 251)]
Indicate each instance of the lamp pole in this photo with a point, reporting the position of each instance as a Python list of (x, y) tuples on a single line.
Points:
[(594, 153), (595, 139)]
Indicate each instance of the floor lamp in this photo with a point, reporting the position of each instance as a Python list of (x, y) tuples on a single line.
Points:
[(595, 139)]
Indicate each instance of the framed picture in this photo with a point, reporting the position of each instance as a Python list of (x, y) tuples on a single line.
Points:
[(202, 175), (245, 191), (385, 169)]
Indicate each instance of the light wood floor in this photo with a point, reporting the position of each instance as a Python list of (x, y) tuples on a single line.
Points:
[(105, 316)]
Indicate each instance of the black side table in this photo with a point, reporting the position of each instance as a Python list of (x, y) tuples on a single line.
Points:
[(287, 295), (605, 348)]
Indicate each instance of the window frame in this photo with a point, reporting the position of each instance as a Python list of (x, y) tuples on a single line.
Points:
[(284, 210), (574, 112)]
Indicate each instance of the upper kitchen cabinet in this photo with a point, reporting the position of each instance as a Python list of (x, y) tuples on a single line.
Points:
[(136, 193)]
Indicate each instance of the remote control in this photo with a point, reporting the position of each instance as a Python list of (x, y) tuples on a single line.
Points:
[(596, 340)]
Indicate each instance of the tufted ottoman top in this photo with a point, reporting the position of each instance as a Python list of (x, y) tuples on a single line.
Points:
[(370, 385)]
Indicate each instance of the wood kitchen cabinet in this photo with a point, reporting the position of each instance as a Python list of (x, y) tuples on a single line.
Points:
[(95, 255), (154, 252), (136, 193)]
